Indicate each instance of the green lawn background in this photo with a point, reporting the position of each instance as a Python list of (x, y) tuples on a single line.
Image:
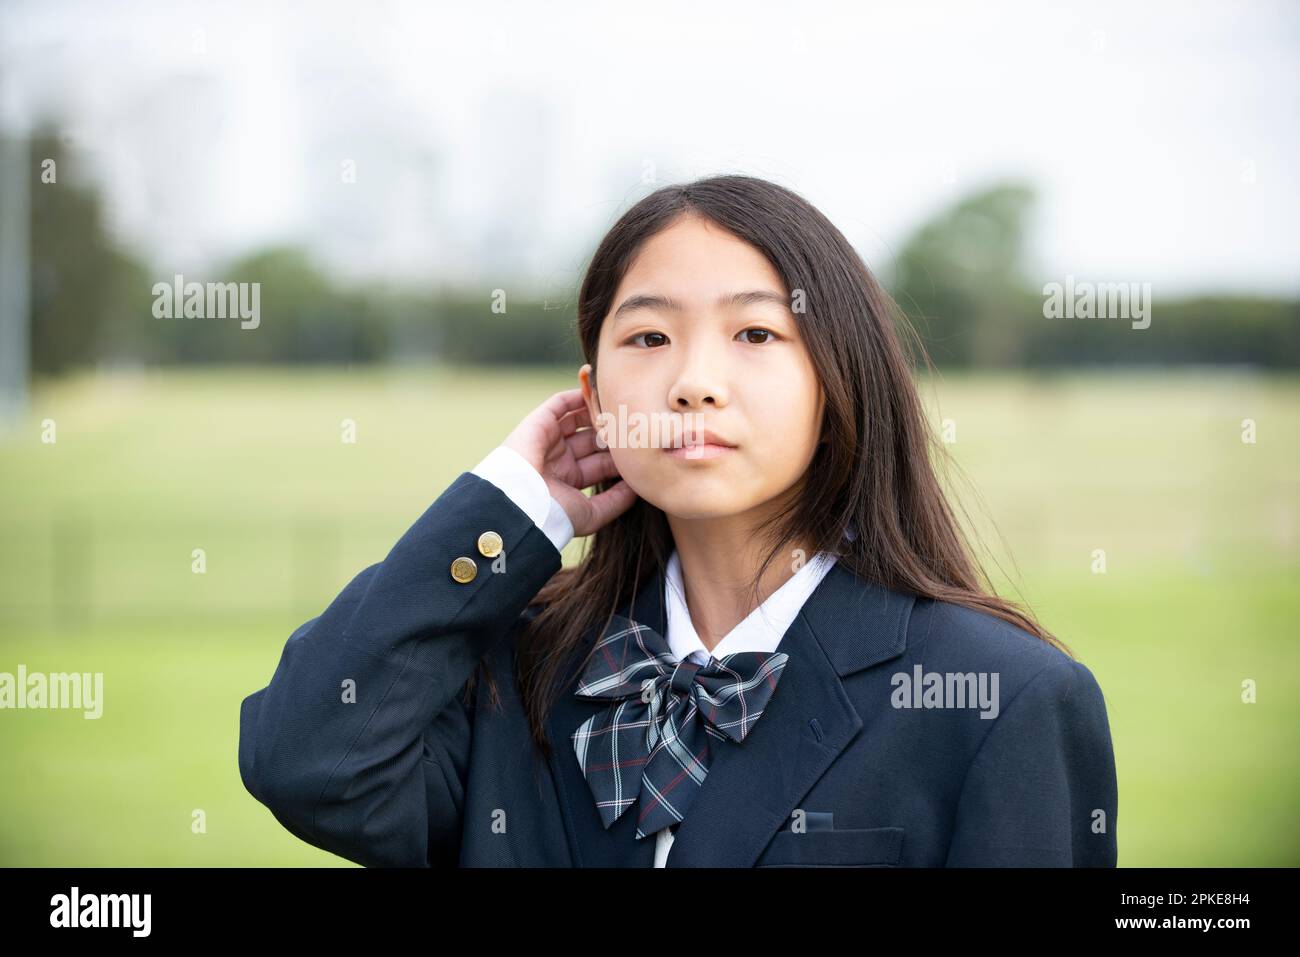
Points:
[(1199, 531)]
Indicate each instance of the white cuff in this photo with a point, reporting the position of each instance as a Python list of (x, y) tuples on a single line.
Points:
[(515, 476)]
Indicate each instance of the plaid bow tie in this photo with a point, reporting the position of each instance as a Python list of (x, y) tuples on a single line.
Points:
[(653, 740)]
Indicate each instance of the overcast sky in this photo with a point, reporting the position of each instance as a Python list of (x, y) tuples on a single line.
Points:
[(504, 137)]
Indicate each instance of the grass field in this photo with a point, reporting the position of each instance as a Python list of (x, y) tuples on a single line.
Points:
[(98, 529)]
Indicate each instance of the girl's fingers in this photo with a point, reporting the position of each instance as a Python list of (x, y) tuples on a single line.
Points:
[(583, 443), (540, 437), (561, 418), (568, 426), (610, 504), (596, 468), (554, 419), (575, 419), (554, 409)]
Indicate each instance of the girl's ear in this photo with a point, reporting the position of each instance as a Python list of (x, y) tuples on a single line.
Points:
[(587, 380)]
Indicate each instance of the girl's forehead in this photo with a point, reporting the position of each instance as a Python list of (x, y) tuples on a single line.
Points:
[(695, 250)]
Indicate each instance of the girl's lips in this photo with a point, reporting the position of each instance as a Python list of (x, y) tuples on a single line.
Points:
[(696, 453)]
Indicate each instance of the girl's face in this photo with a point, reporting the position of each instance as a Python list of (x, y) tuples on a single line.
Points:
[(701, 335)]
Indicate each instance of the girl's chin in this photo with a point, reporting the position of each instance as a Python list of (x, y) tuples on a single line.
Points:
[(692, 507)]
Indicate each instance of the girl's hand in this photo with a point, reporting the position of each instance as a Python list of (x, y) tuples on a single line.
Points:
[(571, 460)]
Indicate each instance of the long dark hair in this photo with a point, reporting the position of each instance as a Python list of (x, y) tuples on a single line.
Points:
[(873, 467)]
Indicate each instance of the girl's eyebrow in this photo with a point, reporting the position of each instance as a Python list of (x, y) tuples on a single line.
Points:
[(668, 304)]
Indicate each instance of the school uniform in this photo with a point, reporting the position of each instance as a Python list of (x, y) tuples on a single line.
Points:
[(843, 740)]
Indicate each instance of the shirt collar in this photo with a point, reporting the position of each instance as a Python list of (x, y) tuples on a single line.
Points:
[(761, 630)]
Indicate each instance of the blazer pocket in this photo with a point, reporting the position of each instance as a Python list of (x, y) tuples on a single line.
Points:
[(851, 847)]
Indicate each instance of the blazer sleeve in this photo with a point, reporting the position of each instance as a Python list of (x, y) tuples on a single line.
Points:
[(1041, 791), (360, 742)]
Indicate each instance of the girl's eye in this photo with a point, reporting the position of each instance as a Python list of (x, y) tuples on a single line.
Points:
[(758, 329), (640, 334)]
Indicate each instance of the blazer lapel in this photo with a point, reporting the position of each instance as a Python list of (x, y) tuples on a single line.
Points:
[(752, 788), (847, 624)]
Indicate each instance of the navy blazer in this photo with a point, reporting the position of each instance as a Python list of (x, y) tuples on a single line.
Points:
[(835, 772)]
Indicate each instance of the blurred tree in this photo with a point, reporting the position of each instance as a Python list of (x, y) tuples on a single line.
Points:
[(82, 282), (528, 332), (959, 278)]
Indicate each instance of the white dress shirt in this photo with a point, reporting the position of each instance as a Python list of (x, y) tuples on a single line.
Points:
[(761, 630), (513, 474)]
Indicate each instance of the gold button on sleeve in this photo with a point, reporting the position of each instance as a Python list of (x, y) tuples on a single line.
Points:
[(463, 569), (489, 544)]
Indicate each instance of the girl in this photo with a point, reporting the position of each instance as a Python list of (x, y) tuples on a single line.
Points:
[(777, 650)]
